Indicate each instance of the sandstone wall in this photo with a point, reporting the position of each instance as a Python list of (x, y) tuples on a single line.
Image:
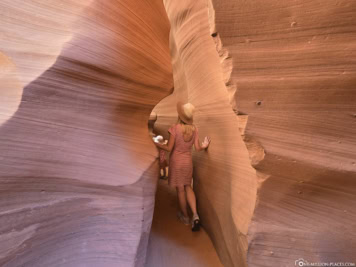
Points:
[(224, 180), (287, 69), (273, 83), (79, 80), (294, 68)]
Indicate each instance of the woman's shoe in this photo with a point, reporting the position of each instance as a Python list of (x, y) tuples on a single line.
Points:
[(182, 218), (195, 223)]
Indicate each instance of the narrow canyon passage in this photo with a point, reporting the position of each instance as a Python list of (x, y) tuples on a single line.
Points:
[(273, 83), (172, 243)]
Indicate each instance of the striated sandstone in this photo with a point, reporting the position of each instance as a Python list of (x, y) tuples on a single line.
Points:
[(294, 69), (224, 179), (273, 83), (286, 69), (77, 170)]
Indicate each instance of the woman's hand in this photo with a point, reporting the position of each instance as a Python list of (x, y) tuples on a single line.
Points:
[(206, 142)]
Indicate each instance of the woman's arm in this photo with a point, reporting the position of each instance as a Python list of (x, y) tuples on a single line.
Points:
[(169, 146), (204, 145)]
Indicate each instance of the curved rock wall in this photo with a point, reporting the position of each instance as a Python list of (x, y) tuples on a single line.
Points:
[(273, 83), (287, 70), (224, 180), (294, 68), (77, 176)]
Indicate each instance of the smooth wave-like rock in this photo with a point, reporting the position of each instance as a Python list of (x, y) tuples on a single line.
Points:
[(286, 69), (77, 169), (294, 69), (273, 83), (224, 179)]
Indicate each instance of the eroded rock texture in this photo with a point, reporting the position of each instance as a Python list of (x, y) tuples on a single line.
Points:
[(77, 165), (294, 67), (287, 69), (224, 179), (273, 83)]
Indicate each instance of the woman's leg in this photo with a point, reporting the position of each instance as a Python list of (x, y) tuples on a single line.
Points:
[(165, 175), (193, 206), (191, 199), (182, 200)]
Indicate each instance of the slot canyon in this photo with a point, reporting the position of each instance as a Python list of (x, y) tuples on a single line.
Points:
[(273, 84)]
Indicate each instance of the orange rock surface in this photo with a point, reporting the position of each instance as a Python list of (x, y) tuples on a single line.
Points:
[(294, 70), (273, 83), (224, 180)]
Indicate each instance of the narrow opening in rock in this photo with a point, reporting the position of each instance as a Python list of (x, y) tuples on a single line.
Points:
[(170, 240)]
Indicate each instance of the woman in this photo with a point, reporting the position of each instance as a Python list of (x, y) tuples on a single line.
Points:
[(183, 136)]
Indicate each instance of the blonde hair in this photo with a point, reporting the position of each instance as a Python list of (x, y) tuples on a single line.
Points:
[(187, 130)]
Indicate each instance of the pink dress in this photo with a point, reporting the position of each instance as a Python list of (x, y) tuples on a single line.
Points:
[(180, 162), (162, 159)]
